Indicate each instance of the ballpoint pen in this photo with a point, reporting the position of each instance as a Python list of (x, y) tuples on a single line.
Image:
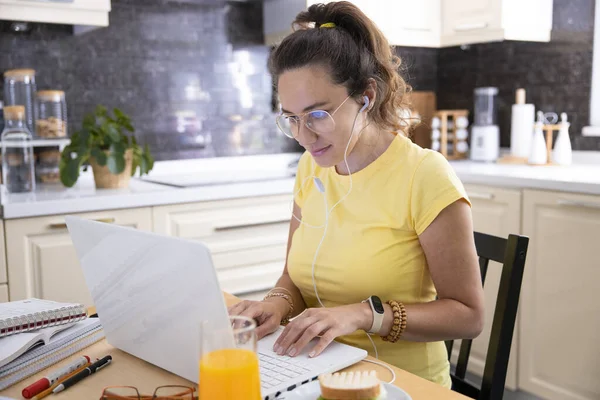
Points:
[(95, 367), (61, 380), (50, 379)]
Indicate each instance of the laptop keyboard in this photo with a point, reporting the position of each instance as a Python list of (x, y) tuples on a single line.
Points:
[(276, 370)]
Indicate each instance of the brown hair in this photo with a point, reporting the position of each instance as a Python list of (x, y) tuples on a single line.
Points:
[(354, 51)]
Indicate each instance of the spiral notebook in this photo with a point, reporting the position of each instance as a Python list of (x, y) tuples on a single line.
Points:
[(64, 344), (32, 314)]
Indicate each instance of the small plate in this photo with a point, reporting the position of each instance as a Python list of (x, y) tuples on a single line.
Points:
[(312, 391)]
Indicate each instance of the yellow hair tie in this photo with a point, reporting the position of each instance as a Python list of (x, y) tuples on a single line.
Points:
[(327, 25)]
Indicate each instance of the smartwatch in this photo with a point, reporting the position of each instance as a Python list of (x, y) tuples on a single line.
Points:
[(377, 308)]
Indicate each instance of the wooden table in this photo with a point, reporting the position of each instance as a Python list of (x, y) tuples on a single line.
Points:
[(132, 371)]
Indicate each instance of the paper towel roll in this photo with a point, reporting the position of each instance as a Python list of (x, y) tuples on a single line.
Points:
[(521, 130)]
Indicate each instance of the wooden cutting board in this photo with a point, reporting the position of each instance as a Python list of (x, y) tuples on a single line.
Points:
[(423, 102)]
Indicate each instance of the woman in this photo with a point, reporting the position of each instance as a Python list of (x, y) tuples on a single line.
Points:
[(374, 217)]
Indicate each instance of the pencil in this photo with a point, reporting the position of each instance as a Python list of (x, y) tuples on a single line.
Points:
[(58, 382)]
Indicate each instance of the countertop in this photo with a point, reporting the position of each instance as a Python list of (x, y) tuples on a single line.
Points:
[(249, 176)]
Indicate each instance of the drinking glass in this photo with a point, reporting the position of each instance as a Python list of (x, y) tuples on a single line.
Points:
[(228, 361)]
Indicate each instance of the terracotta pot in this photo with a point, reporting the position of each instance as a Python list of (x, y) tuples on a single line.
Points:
[(105, 179)]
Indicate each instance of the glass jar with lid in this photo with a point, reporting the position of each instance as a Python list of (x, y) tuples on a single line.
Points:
[(17, 152), (51, 114), (19, 90)]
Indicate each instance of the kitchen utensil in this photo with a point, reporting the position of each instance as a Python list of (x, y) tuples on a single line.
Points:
[(449, 139), (485, 142), (562, 153)]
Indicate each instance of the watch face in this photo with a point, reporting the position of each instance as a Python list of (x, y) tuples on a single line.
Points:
[(377, 305)]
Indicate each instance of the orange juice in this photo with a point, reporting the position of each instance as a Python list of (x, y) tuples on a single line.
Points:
[(229, 374)]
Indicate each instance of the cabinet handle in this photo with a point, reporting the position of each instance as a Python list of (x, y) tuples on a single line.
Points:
[(470, 27), (63, 225), (481, 196), (239, 226), (574, 203)]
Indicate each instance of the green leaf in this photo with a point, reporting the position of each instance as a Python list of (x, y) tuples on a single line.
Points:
[(134, 166), (111, 131), (69, 172), (99, 155), (89, 121), (119, 114), (116, 163), (128, 126), (118, 149), (101, 111)]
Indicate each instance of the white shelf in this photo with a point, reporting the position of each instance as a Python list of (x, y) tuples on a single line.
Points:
[(61, 142)]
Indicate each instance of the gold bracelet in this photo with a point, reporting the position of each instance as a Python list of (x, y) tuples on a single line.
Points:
[(286, 319), (399, 322), (281, 288)]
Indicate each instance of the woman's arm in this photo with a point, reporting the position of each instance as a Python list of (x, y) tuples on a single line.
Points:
[(453, 264), (449, 247)]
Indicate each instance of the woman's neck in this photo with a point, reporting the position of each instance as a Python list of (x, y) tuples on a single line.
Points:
[(371, 144)]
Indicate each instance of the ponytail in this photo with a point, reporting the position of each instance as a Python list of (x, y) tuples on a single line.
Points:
[(354, 51)]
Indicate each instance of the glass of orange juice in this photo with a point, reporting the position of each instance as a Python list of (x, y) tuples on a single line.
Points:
[(229, 370)]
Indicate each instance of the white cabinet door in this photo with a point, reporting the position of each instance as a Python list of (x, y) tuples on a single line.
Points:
[(41, 257), (74, 12), (411, 23), (247, 237), (3, 273), (496, 211), (471, 21), (559, 347), (3, 293)]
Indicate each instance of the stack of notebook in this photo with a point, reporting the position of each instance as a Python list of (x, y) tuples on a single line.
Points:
[(35, 334)]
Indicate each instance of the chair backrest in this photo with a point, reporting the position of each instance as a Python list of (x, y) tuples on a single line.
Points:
[(511, 253)]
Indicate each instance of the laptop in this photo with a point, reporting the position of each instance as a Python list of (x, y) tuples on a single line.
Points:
[(151, 293)]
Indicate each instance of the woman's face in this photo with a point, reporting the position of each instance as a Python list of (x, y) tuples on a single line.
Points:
[(308, 89)]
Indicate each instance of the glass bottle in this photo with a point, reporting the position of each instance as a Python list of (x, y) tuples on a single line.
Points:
[(19, 90), (51, 114), (17, 152)]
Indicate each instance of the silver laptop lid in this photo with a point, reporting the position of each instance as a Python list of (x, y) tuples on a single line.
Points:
[(150, 291)]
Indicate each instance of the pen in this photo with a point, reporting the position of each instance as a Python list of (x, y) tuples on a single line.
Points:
[(61, 380), (95, 367), (49, 380)]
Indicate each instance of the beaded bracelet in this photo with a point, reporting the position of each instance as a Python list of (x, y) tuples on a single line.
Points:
[(399, 322), (286, 297)]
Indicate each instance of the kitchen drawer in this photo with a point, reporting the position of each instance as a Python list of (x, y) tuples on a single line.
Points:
[(42, 261), (3, 293), (246, 237)]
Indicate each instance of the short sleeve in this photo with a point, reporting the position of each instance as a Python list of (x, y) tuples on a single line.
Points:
[(434, 187), (303, 172)]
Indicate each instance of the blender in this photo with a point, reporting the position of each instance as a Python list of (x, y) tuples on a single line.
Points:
[(485, 134)]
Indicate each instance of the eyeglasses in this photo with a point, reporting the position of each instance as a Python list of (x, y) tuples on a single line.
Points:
[(318, 121), (167, 392)]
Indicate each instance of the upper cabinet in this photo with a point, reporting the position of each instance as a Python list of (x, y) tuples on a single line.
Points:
[(432, 23), (404, 22), (478, 21), (83, 14)]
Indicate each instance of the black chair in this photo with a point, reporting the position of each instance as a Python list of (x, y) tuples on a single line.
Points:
[(511, 253)]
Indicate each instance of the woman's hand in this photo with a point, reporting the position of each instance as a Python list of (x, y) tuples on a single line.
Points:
[(267, 314), (328, 323)]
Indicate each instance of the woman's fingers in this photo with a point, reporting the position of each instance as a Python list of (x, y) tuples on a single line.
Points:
[(311, 332), (322, 344), (266, 326), (237, 308), (292, 333)]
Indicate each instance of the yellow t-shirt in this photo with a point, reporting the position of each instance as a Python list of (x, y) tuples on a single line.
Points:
[(371, 246)]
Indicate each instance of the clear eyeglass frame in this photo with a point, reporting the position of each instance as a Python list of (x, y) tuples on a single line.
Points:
[(318, 121)]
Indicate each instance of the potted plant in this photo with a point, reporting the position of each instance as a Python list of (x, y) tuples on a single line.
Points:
[(103, 142)]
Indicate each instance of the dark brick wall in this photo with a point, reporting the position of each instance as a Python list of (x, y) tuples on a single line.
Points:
[(192, 74), (557, 75)]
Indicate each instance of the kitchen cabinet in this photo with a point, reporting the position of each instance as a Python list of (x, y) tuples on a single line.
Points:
[(3, 273), (478, 21), (41, 258), (83, 14), (3, 293), (404, 22), (432, 23), (247, 237), (559, 347), (496, 211)]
